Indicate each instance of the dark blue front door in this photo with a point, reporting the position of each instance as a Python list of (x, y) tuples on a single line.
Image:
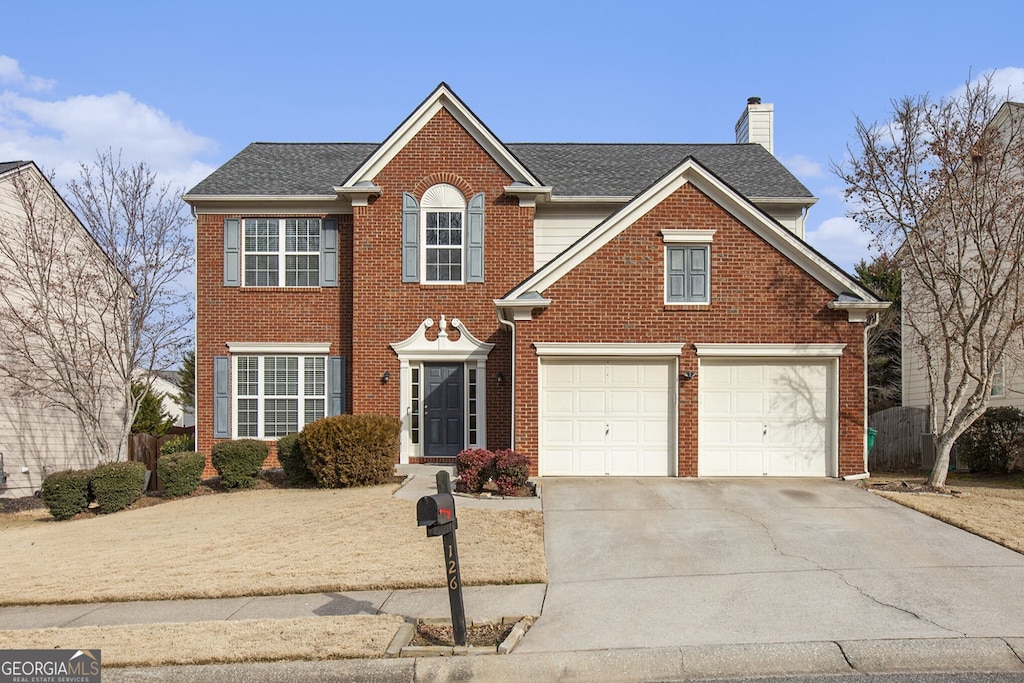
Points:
[(442, 410)]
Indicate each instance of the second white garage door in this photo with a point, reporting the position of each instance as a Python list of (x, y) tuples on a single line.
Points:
[(764, 418), (607, 417)]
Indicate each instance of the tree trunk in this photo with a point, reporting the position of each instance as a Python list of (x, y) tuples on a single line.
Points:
[(943, 449)]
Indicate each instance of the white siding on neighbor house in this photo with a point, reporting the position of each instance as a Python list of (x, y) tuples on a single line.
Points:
[(555, 228), (169, 390), (35, 435)]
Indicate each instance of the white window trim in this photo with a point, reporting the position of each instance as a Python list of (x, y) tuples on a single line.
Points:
[(282, 252), (261, 396), (1000, 377), (770, 350), (674, 236), (284, 349), (592, 350), (442, 198)]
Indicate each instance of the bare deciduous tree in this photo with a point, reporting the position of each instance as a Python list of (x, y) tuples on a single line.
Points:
[(81, 318), (941, 188)]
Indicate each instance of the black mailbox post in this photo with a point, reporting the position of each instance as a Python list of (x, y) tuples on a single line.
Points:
[(437, 513)]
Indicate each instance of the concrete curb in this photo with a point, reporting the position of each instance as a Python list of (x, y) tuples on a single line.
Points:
[(630, 665)]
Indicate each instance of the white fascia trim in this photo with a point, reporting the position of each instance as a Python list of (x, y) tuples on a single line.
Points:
[(598, 349), (284, 349), (858, 311), (625, 199), (442, 98), (195, 199), (528, 195), (794, 201), (359, 195), (769, 350), (687, 236)]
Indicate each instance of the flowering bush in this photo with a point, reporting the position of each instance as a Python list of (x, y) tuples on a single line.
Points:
[(474, 467), (511, 471)]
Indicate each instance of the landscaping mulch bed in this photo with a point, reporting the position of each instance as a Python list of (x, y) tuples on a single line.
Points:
[(23, 504), (477, 635)]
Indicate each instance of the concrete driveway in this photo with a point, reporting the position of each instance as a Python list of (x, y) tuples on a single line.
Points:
[(674, 562)]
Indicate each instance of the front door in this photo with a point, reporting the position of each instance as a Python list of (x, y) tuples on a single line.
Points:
[(443, 410)]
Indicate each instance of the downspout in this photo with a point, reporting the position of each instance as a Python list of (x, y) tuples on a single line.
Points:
[(512, 425), (867, 328)]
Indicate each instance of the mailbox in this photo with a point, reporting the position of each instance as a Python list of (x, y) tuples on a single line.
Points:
[(437, 513)]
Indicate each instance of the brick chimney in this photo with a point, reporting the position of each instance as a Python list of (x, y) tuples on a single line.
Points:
[(757, 124)]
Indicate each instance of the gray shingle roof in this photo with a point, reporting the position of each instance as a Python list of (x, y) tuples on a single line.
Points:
[(6, 166), (271, 168), (572, 169), (624, 170)]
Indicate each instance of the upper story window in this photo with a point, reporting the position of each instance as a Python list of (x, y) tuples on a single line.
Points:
[(443, 210), (687, 266), (443, 237), (999, 381), (281, 252)]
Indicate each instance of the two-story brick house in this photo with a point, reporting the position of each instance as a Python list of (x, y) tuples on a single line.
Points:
[(630, 309)]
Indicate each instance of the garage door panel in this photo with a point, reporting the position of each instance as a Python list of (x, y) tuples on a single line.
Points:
[(622, 416), (777, 412)]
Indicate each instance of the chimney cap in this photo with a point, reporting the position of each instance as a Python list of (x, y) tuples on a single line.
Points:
[(753, 100)]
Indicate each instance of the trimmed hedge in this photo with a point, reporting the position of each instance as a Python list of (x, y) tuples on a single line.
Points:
[(179, 444), (116, 485), (66, 493), (238, 462), (475, 468), (180, 472), (511, 471), (351, 450), (293, 462), (994, 442)]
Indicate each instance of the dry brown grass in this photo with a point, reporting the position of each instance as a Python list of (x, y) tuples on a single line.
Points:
[(992, 507), (264, 542), (216, 642)]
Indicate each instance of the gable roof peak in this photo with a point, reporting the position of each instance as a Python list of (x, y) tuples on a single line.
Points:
[(442, 97)]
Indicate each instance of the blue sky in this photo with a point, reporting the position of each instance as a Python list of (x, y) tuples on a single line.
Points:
[(186, 85)]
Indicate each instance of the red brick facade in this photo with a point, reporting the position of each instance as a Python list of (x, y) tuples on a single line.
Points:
[(616, 296)]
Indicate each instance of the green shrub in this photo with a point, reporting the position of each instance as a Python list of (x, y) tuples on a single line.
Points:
[(116, 485), (66, 493), (511, 471), (180, 472), (475, 467), (351, 450), (293, 462), (179, 444), (238, 462), (993, 442)]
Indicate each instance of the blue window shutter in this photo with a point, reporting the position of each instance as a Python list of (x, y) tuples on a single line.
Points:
[(676, 274), (475, 240), (410, 238), (697, 274), (335, 385), (329, 253), (221, 397), (232, 252)]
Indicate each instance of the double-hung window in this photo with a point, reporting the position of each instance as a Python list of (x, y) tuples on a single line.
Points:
[(281, 252), (687, 266), (444, 209), (278, 395)]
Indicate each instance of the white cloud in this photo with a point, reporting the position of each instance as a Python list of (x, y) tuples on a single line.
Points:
[(842, 241), (60, 134), (802, 167), (12, 75), (1008, 80)]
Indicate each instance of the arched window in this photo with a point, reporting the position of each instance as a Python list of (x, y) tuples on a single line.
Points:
[(442, 221)]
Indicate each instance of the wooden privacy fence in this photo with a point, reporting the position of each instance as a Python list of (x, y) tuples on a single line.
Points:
[(145, 448), (898, 443)]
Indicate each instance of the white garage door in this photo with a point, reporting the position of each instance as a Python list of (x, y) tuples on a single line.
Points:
[(764, 418), (607, 417)]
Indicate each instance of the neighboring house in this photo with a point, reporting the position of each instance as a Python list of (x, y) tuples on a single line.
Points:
[(37, 436), (165, 383), (1008, 382), (605, 309)]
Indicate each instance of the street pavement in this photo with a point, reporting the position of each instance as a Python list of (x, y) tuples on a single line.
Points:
[(673, 579)]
